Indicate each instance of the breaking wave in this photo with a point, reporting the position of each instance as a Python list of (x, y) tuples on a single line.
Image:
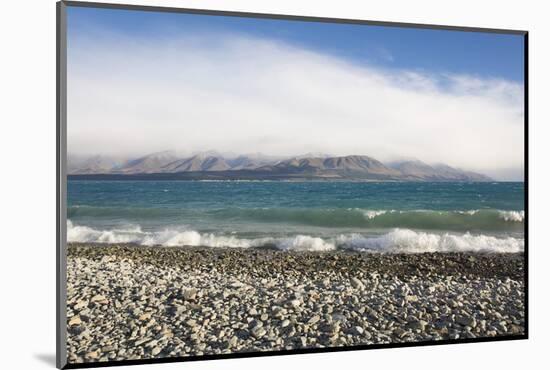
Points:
[(512, 216), (409, 241), (394, 241)]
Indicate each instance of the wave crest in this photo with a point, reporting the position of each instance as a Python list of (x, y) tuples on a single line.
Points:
[(512, 216), (450, 220)]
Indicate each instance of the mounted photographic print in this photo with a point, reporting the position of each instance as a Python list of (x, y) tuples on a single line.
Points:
[(234, 184)]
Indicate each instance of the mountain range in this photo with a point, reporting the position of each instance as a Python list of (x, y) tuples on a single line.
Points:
[(214, 166)]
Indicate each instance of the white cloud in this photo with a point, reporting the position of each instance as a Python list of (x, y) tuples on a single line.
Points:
[(239, 94)]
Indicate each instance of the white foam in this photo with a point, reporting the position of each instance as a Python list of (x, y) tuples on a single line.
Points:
[(303, 243), (409, 241), (85, 234), (181, 237), (369, 215), (469, 212), (512, 216), (395, 241), (174, 238)]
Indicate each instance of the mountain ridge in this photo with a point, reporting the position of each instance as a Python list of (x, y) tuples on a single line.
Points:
[(214, 166)]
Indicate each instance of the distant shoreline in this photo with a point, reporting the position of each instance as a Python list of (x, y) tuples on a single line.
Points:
[(238, 176)]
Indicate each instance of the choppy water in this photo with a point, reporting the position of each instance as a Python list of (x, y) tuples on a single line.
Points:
[(410, 217)]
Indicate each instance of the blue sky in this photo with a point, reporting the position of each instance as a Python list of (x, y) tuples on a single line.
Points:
[(441, 51), (172, 81)]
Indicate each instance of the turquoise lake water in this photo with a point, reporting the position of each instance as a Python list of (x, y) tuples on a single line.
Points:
[(409, 217)]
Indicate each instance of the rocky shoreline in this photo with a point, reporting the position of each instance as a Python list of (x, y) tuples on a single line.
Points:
[(130, 302)]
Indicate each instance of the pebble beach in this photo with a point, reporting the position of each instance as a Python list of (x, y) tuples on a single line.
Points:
[(128, 302)]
